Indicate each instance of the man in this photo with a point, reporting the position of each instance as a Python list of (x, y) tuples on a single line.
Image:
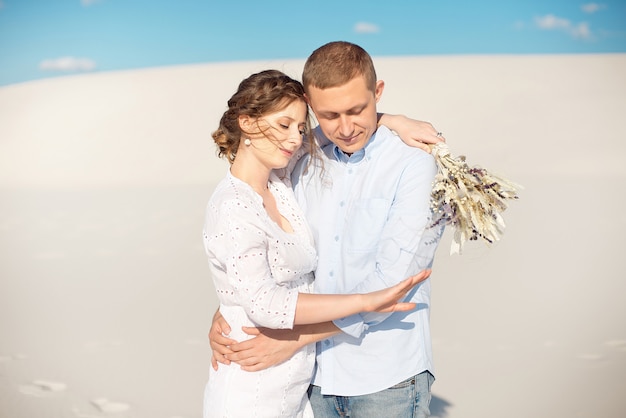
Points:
[(367, 200)]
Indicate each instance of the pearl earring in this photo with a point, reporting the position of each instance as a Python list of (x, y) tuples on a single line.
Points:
[(247, 142)]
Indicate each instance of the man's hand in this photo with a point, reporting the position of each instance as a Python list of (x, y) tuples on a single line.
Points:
[(268, 348), (413, 132), (219, 343)]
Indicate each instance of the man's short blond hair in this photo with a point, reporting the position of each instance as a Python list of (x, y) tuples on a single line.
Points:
[(335, 64)]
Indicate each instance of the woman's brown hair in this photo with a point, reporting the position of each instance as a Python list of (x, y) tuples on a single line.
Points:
[(258, 95)]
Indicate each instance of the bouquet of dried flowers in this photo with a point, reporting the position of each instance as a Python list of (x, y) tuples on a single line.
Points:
[(470, 199)]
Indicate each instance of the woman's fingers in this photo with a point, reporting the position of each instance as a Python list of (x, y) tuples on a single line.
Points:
[(404, 306), (421, 276), (412, 281)]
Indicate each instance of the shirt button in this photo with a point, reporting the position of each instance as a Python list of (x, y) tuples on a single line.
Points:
[(331, 274), (342, 203), (336, 237)]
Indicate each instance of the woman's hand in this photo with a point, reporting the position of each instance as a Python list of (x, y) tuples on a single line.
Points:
[(387, 300), (414, 133)]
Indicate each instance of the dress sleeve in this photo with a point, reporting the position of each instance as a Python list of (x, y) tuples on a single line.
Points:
[(240, 245)]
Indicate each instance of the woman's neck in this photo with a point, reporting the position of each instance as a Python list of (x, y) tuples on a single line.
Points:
[(255, 175)]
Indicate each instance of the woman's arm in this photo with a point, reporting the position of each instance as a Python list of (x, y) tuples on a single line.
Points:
[(314, 308), (413, 132), (314, 313)]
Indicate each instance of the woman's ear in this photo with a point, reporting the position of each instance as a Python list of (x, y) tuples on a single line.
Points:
[(245, 122)]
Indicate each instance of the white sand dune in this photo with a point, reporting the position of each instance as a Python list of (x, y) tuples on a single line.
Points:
[(104, 286), (41, 387), (105, 405)]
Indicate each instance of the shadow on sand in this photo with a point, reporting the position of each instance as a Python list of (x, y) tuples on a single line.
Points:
[(439, 407)]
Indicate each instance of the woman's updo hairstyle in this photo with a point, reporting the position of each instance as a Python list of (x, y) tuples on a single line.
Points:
[(258, 95)]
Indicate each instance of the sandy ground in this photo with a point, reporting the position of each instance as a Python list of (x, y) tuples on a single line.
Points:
[(105, 296)]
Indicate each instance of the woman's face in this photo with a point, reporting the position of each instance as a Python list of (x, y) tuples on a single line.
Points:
[(277, 136)]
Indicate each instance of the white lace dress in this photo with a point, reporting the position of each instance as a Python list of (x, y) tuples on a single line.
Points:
[(258, 270)]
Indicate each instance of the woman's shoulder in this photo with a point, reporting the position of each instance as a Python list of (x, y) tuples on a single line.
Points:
[(233, 194)]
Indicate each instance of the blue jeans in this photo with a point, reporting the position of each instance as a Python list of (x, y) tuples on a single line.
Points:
[(408, 399)]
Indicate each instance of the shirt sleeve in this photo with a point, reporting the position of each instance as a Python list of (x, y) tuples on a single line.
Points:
[(239, 245), (408, 241)]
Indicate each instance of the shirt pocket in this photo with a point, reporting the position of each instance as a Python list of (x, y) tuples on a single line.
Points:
[(365, 223)]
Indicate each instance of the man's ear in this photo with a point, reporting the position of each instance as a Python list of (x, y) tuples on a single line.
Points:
[(378, 92), (306, 99)]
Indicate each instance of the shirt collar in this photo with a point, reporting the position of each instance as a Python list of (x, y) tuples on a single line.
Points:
[(363, 153)]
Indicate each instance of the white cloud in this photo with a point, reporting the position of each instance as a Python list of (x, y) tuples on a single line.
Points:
[(592, 7), (581, 31), (67, 64), (364, 27), (551, 22)]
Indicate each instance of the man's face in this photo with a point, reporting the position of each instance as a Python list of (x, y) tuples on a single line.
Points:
[(347, 114)]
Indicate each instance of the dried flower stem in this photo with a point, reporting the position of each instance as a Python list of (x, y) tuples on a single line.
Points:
[(470, 199)]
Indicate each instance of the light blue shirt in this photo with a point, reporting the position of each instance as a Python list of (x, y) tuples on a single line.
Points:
[(371, 220)]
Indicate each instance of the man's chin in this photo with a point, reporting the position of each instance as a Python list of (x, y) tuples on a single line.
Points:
[(350, 147)]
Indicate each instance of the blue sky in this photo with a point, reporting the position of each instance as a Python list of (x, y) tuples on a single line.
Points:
[(48, 38)]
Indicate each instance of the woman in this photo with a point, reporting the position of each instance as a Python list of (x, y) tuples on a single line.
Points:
[(261, 252)]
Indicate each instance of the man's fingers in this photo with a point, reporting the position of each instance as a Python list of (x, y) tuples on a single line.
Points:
[(254, 368), (254, 364), (217, 340), (251, 330), (239, 352), (233, 356), (247, 362), (221, 349), (222, 358), (218, 358), (220, 324)]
